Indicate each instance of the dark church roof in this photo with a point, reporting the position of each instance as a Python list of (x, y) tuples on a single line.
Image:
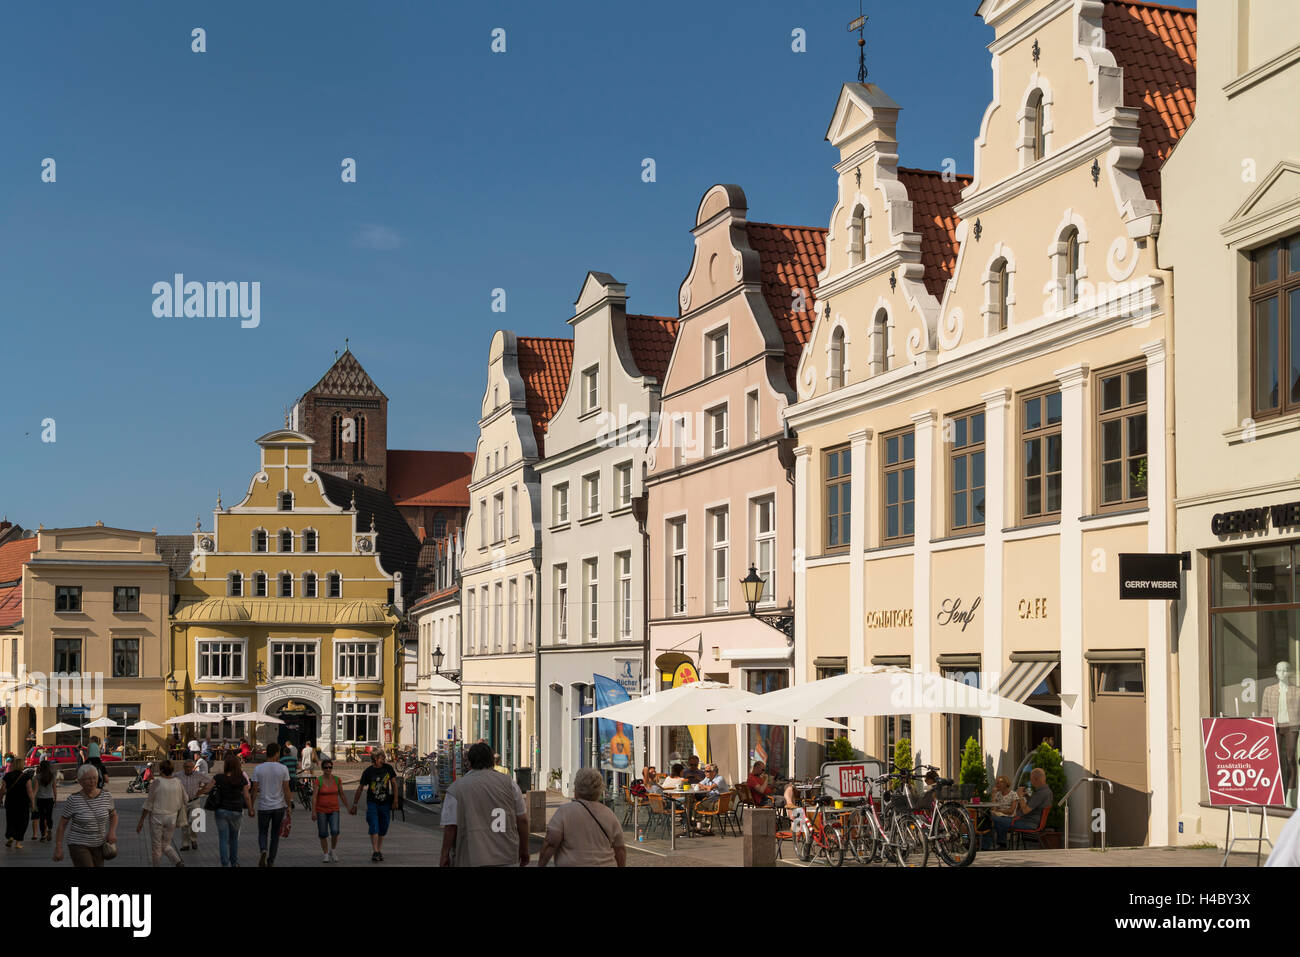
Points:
[(399, 549), (175, 551), (346, 378)]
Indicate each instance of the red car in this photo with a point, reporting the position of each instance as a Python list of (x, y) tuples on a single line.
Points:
[(61, 754)]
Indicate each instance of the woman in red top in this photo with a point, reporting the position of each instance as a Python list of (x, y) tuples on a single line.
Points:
[(758, 785), (245, 752), (325, 810)]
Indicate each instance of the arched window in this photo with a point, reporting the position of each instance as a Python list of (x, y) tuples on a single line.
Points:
[(334, 585), (235, 585), (336, 437), (259, 584), (857, 235), (309, 540), (286, 540), (998, 294), (359, 446), (259, 540), (1035, 122), (309, 585), (880, 343), (284, 502), (837, 359), (286, 585), (1070, 266)]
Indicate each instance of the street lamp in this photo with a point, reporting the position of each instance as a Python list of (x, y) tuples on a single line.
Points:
[(437, 659), (173, 689), (753, 590)]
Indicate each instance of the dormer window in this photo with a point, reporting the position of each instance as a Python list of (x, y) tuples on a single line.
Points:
[(999, 296), (259, 540), (1035, 124), (716, 350), (284, 502), (1069, 270), (286, 540), (836, 372), (591, 389), (857, 235), (880, 343)]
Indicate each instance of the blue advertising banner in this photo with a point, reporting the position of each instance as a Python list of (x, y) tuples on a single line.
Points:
[(615, 741)]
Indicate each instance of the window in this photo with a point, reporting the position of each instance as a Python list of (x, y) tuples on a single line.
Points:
[(562, 503), (482, 523), (767, 742), (498, 517), (336, 437), (286, 540), (1255, 641), (959, 728), (717, 430), (591, 495), (1035, 125), (293, 659), (469, 621), (716, 349), (966, 472), (830, 734), (334, 585), (899, 481), (751, 415), (496, 618), (679, 440), (1069, 268), (623, 563), (309, 540), (562, 602), (67, 598), (359, 446), (719, 539), (484, 635), (839, 477), (126, 598), (999, 291), (835, 373), (512, 614), (514, 511), (284, 502), (221, 659), (235, 585), (1275, 328), (259, 585), (677, 576), (126, 657), (880, 343), (857, 235), (286, 585), (259, 540), (357, 722), (591, 588), (623, 485), (356, 660), (1040, 449), (67, 655), (309, 585), (528, 612), (1122, 438), (764, 525), (591, 389)]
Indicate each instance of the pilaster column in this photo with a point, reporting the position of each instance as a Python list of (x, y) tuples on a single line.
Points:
[(998, 490), (922, 656), (802, 455), (860, 444), (1158, 516)]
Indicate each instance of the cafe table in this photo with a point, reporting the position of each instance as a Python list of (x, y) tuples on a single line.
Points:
[(690, 796)]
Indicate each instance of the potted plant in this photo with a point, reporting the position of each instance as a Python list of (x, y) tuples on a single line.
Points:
[(974, 777), (553, 778), (903, 754), (1049, 759), (840, 750)]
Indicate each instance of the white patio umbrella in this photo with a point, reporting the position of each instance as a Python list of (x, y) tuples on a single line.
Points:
[(684, 705), (255, 716), (60, 728), (739, 714), (190, 718), (104, 722), (144, 726)]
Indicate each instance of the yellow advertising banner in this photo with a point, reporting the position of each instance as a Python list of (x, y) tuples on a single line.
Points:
[(686, 674)]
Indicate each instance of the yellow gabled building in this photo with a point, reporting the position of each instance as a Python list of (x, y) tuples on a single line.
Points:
[(285, 609)]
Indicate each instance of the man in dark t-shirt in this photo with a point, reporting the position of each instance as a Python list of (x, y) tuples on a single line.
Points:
[(379, 781), (1027, 812)]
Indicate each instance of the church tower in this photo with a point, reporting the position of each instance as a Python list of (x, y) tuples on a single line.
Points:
[(347, 415)]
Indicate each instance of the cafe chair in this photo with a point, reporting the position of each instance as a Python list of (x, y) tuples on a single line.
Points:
[(720, 812), (659, 813), (629, 803), (744, 799), (1018, 835)]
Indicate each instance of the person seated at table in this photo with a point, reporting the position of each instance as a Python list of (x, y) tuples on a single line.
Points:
[(713, 784), (693, 774), (245, 752), (1002, 799), (674, 780), (1027, 810), (647, 784), (760, 785)]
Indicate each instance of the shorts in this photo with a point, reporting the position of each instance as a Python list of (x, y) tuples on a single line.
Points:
[(327, 824), (377, 817)]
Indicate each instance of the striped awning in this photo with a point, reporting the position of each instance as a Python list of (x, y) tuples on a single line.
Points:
[(1019, 681)]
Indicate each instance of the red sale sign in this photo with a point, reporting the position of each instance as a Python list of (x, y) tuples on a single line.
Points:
[(1241, 761)]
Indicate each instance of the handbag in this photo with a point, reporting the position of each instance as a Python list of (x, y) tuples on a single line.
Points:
[(213, 803), (109, 851)]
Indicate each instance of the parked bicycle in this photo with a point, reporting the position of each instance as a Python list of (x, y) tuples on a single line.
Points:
[(884, 827), (303, 788), (945, 823), (817, 834)]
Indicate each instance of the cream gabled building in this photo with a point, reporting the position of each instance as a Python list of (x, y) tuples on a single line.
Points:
[(526, 381), (984, 419)]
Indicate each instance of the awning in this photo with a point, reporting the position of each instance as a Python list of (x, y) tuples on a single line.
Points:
[(1020, 680), (892, 661), (757, 654), (971, 660)]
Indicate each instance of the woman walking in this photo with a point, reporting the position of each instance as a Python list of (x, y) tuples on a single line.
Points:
[(95, 756), (19, 796), (234, 796), (325, 810), (89, 819), (47, 793), (163, 808), (584, 832)]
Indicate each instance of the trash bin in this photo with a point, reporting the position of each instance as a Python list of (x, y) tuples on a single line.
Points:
[(524, 778)]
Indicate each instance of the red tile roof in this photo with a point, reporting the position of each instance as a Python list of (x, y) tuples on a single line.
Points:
[(651, 340), (933, 198), (1156, 47), (791, 258), (545, 365), (11, 606), (12, 557), (419, 477), (436, 596)]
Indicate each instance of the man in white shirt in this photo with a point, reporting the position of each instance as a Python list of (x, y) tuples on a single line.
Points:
[(193, 746), (308, 752), (274, 803), (714, 783)]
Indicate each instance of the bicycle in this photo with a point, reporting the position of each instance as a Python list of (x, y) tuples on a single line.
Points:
[(816, 833), (885, 829), (303, 788), (946, 824)]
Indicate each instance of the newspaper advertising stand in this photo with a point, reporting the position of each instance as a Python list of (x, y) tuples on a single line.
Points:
[(1243, 772)]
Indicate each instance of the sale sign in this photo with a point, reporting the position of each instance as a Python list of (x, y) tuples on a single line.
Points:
[(1241, 761)]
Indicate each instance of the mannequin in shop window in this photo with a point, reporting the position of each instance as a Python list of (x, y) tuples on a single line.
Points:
[(1282, 703)]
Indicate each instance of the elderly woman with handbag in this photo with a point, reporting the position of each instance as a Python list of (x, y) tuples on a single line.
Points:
[(89, 820)]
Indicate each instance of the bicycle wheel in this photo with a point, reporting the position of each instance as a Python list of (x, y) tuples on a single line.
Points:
[(833, 849), (910, 847), (803, 845), (953, 836)]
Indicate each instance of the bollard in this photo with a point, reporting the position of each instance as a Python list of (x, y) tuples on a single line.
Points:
[(537, 812), (760, 837)]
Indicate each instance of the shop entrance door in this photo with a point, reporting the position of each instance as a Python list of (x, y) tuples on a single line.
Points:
[(1119, 750)]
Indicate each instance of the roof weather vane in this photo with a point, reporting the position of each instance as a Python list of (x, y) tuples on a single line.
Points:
[(860, 24)]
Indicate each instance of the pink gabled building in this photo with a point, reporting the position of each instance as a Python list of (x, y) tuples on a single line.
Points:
[(720, 471)]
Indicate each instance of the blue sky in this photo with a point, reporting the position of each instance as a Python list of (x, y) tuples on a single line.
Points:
[(475, 170)]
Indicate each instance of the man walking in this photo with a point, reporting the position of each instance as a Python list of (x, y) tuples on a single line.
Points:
[(379, 781), (484, 820), (196, 784), (274, 803)]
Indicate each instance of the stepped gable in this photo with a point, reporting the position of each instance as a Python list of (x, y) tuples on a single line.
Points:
[(651, 340), (1156, 47), (933, 198), (790, 258), (544, 365)]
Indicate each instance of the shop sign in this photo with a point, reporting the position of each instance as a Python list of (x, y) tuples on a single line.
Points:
[(848, 779), (1150, 576), (1256, 519), (1027, 608), (892, 618), (1241, 761), (952, 613), (412, 707)]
